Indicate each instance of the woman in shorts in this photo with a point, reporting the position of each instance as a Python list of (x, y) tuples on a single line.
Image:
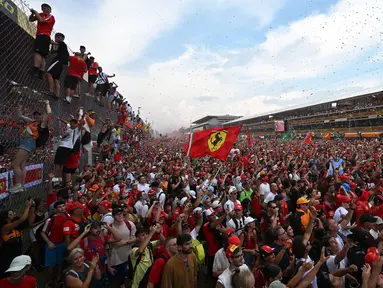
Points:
[(28, 144)]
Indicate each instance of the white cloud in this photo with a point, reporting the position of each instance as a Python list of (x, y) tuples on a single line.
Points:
[(241, 81)]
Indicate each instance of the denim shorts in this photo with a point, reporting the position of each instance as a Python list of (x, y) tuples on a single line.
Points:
[(27, 143), (56, 256)]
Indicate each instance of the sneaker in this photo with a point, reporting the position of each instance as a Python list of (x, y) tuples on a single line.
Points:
[(76, 96), (87, 94), (16, 188), (56, 179), (68, 99), (50, 93)]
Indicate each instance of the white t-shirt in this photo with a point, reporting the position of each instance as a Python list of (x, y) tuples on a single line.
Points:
[(161, 197), (269, 197), (230, 204), (332, 267), (338, 214), (143, 187), (220, 261), (225, 278), (116, 188), (141, 208), (70, 137), (264, 189), (308, 260), (120, 254)]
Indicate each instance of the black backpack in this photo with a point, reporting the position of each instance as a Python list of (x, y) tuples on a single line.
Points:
[(86, 138), (43, 136), (132, 269)]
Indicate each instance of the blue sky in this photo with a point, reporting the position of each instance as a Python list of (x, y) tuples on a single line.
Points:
[(181, 60)]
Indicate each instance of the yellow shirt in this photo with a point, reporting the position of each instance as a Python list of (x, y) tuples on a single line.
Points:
[(144, 265)]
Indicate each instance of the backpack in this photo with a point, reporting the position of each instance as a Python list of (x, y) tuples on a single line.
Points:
[(132, 268), (43, 136), (38, 236), (86, 138), (199, 251)]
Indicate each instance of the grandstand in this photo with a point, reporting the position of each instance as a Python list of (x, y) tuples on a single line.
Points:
[(346, 115)]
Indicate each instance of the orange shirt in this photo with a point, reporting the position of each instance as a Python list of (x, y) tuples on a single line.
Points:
[(46, 27)]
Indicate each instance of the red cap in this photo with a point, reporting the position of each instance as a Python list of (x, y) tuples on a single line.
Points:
[(238, 207), (243, 177), (343, 199), (151, 192), (75, 205), (229, 231), (267, 249), (265, 179), (353, 185), (234, 240), (230, 250), (106, 204), (344, 176), (371, 257)]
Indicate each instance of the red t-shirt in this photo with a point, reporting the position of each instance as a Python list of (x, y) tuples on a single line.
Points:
[(72, 228), (47, 27), (212, 243), (99, 247), (77, 67), (55, 229), (29, 282), (93, 69), (158, 267)]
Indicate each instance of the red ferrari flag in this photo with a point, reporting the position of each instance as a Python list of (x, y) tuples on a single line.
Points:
[(309, 138), (216, 142)]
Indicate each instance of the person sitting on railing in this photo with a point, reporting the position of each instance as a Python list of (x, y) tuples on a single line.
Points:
[(54, 71), (31, 137), (45, 23), (77, 68)]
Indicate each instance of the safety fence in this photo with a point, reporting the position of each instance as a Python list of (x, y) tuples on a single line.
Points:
[(18, 88)]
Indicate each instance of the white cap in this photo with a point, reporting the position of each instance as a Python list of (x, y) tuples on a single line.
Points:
[(249, 220), (19, 263), (232, 189), (378, 220), (209, 211), (192, 194), (215, 204), (183, 200), (197, 209)]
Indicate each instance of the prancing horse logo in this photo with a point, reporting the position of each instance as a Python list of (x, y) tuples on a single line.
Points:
[(216, 140)]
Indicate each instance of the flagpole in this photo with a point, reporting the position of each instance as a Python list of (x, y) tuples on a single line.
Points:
[(190, 143)]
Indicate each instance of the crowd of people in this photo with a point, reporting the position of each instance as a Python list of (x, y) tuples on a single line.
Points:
[(275, 214)]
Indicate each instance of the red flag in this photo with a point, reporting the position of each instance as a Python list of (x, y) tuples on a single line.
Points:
[(216, 142), (309, 138), (326, 135), (127, 123)]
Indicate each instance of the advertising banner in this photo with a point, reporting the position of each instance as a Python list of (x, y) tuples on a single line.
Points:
[(34, 175), (3, 182)]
